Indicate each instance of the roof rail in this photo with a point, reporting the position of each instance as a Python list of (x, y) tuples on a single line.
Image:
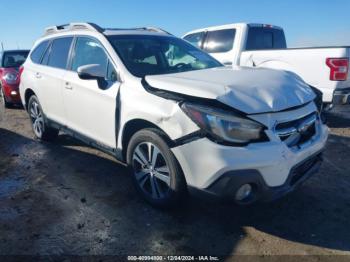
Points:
[(149, 28), (72, 26), (154, 29)]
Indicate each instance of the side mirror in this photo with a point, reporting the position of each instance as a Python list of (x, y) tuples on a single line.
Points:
[(92, 72)]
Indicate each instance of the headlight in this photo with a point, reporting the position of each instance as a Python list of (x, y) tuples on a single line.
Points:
[(10, 78), (223, 125)]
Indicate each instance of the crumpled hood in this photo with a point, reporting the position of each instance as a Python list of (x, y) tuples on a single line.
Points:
[(250, 90)]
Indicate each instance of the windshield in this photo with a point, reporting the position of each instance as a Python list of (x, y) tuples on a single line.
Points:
[(154, 55), (14, 59)]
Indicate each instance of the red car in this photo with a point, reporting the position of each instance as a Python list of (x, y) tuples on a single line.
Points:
[(10, 62)]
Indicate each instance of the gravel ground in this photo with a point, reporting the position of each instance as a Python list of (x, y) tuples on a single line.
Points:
[(67, 198)]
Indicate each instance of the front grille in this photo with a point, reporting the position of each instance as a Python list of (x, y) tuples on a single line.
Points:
[(297, 132)]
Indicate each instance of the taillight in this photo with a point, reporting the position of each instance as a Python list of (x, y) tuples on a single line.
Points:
[(339, 68)]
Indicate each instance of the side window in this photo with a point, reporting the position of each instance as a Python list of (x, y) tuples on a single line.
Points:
[(46, 55), (260, 38), (220, 41), (88, 51), (59, 52), (195, 39), (38, 52), (111, 73)]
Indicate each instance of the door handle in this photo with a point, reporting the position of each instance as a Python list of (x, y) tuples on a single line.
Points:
[(68, 86), (38, 75)]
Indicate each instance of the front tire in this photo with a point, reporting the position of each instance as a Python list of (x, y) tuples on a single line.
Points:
[(3, 99), (157, 175), (40, 128)]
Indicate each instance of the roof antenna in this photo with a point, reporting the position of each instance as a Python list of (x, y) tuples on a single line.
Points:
[(2, 46)]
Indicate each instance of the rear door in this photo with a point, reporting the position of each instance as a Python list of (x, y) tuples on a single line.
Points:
[(90, 108), (50, 78)]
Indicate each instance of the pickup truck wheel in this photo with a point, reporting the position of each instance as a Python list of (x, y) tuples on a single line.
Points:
[(156, 173), (41, 130), (3, 99)]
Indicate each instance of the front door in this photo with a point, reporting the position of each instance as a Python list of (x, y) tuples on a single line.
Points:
[(90, 107)]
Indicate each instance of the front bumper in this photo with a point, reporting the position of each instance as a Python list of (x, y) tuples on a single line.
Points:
[(228, 184), (270, 165)]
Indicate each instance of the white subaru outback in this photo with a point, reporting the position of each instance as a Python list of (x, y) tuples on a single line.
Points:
[(175, 115)]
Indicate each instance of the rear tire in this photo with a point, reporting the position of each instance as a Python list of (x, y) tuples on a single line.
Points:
[(3, 99), (39, 124), (157, 175)]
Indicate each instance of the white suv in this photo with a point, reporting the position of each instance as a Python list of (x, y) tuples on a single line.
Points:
[(176, 116)]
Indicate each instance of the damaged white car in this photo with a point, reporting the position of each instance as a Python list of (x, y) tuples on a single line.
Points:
[(175, 115)]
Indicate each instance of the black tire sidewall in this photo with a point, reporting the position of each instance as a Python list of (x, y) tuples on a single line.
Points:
[(177, 181)]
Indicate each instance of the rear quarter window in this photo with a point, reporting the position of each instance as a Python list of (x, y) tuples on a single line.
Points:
[(220, 41), (38, 52), (260, 38)]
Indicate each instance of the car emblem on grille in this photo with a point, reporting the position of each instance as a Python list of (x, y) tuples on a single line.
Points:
[(303, 128), (292, 133)]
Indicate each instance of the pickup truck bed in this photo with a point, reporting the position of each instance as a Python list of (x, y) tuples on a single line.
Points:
[(308, 63), (260, 45)]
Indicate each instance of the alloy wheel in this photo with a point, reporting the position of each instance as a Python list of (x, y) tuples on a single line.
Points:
[(151, 170), (37, 119)]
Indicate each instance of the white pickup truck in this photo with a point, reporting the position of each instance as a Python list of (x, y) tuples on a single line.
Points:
[(259, 45)]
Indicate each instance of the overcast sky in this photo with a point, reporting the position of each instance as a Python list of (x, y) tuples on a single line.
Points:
[(306, 23)]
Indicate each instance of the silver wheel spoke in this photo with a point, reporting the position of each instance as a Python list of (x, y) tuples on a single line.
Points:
[(138, 159), (32, 112), (37, 124), (160, 193), (162, 169), (140, 175), (155, 154), (40, 125), (40, 119), (36, 108), (149, 147), (140, 156), (36, 127), (143, 181), (164, 178), (153, 186)]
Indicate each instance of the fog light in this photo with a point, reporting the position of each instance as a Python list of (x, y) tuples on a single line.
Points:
[(13, 93), (244, 192)]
